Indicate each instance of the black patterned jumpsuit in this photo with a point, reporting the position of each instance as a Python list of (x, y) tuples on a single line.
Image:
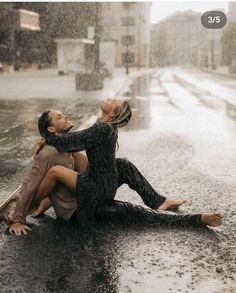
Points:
[(97, 186)]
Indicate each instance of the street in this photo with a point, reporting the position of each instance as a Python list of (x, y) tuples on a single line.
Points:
[(182, 138)]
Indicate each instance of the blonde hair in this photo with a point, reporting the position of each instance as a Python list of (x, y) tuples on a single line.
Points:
[(122, 116)]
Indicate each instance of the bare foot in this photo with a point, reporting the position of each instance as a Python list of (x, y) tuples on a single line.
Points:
[(212, 219), (171, 203)]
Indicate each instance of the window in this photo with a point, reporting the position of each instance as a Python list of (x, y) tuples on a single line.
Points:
[(128, 40), (127, 21), (128, 58)]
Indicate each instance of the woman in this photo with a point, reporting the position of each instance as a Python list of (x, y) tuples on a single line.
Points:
[(98, 184)]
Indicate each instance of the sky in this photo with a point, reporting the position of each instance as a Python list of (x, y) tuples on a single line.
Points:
[(160, 10)]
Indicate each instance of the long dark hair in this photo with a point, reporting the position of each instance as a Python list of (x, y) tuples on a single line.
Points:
[(43, 123)]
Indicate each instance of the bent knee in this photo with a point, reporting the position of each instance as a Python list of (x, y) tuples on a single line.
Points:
[(55, 171)]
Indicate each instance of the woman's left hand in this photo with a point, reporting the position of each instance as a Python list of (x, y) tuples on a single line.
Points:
[(39, 146)]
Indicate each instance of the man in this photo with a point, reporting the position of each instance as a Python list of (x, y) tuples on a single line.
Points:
[(61, 198), (64, 203)]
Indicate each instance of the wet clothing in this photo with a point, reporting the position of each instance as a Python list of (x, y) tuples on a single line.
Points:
[(99, 183), (130, 175), (63, 202), (119, 212), (96, 188)]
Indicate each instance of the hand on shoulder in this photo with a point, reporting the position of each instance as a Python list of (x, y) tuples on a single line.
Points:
[(39, 145), (45, 152)]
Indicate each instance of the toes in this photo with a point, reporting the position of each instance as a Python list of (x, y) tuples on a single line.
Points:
[(181, 201)]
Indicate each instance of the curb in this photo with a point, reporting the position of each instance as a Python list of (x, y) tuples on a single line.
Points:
[(219, 73)]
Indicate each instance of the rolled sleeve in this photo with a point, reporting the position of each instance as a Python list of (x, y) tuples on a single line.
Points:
[(46, 159)]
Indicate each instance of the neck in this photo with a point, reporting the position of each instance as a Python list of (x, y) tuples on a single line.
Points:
[(61, 133), (105, 118)]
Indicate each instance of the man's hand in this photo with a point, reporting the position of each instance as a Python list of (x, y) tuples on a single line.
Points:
[(39, 146), (19, 229)]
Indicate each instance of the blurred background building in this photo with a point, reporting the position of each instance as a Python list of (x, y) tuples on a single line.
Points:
[(176, 39), (180, 39), (120, 35), (122, 28), (57, 21), (128, 25)]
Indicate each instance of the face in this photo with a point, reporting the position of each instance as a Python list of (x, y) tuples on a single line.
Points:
[(60, 123), (110, 105)]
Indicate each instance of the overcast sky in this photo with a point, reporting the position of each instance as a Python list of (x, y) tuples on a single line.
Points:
[(160, 10)]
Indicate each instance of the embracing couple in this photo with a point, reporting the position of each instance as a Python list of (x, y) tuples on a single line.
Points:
[(82, 188)]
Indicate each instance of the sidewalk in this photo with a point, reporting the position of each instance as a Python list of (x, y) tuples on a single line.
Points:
[(47, 84), (221, 70)]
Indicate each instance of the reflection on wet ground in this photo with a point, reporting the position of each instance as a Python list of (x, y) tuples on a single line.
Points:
[(138, 97), (184, 149), (19, 132), (74, 260)]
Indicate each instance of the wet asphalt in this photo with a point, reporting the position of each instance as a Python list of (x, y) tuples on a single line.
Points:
[(182, 139)]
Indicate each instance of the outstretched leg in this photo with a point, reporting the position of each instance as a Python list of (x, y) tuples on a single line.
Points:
[(130, 175), (127, 213)]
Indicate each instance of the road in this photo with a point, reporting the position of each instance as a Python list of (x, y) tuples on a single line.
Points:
[(183, 141)]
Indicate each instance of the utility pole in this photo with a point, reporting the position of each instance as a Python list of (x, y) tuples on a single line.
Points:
[(139, 37), (212, 43), (97, 37), (127, 42)]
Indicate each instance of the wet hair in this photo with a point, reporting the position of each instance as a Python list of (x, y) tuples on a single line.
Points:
[(122, 116), (43, 123)]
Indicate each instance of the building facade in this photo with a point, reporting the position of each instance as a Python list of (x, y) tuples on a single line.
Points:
[(176, 39), (128, 25), (181, 39), (57, 21), (232, 12), (229, 39)]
